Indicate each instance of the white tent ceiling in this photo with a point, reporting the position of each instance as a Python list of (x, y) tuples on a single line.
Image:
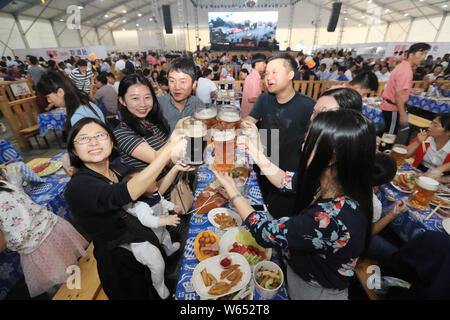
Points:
[(115, 14)]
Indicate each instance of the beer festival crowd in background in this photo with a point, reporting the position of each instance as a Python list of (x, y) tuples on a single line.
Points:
[(134, 122)]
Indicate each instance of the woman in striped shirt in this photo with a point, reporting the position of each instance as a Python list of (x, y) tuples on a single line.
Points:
[(143, 131)]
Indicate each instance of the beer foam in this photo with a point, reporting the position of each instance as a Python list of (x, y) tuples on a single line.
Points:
[(229, 116), (400, 150), (195, 131), (427, 183), (207, 113), (224, 135)]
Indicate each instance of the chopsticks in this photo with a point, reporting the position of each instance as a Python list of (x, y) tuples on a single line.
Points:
[(424, 149), (432, 212), (195, 211)]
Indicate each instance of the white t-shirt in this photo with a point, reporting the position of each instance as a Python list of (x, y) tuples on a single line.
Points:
[(204, 89), (334, 76), (327, 61), (348, 74), (120, 65), (382, 77), (434, 158), (377, 208)]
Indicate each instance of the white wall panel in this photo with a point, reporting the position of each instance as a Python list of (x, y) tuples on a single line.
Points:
[(40, 35)]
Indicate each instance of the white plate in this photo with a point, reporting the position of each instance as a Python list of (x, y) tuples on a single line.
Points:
[(446, 225), (227, 240), (213, 267), (56, 168), (398, 188), (229, 212)]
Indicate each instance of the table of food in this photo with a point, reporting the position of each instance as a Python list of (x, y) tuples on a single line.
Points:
[(435, 105), (49, 192), (221, 259), (371, 109), (435, 216)]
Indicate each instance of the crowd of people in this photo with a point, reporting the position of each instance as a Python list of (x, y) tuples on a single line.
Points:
[(323, 213)]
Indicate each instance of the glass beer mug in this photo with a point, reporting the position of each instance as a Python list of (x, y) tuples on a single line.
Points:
[(399, 153), (423, 192), (224, 149), (228, 118), (195, 132)]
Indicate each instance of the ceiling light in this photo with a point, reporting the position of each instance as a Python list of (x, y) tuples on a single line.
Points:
[(123, 29), (406, 14), (137, 24), (62, 20), (80, 7), (359, 24), (444, 6), (346, 19), (139, 14), (124, 11), (387, 10), (106, 16), (363, 17), (124, 21)]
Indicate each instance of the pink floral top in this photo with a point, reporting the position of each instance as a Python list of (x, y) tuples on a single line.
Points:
[(24, 224)]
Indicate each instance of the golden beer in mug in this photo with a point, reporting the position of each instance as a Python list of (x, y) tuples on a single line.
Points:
[(228, 118), (423, 192), (207, 115), (224, 151), (399, 153)]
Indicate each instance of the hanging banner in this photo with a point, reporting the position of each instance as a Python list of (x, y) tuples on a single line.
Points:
[(65, 53)]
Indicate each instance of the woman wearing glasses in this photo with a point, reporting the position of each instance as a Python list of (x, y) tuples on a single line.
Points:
[(96, 195)]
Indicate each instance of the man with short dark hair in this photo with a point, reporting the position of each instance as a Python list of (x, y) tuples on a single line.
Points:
[(285, 110), (323, 73), (179, 102), (243, 73), (82, 77), (398, 88), (206, 88), (35, 70), (252, 84)]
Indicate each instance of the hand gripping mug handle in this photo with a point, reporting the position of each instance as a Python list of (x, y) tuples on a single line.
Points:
[(411, 196)]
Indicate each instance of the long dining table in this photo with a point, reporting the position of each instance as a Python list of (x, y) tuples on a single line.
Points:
[(49, 193), (199, 222), (413, 221)]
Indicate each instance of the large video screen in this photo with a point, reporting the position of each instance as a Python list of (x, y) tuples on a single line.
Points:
[(242, 28)]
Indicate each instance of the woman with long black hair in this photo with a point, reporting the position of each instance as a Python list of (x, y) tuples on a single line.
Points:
[(62, 92), (143, 132), (334, 209)]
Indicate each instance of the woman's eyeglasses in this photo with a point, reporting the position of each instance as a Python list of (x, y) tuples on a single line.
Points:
[(85, 139)]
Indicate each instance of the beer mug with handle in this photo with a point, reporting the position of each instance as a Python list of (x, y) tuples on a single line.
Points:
[(195, 133), (423, 192)]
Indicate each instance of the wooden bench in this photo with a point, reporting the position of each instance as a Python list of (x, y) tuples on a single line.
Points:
[(90, 286), (21, 111)]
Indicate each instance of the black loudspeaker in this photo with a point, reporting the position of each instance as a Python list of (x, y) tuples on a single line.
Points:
[(167, 19), (334, 16)]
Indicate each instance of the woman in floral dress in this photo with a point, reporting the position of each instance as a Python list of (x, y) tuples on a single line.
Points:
[(47, 244), (334, 205)]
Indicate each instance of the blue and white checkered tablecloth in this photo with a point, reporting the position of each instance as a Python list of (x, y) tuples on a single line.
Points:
[(428, 104), (53, 120), (8, 152), (199, 222), (374, 113), (49, 193), (412, 222)]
